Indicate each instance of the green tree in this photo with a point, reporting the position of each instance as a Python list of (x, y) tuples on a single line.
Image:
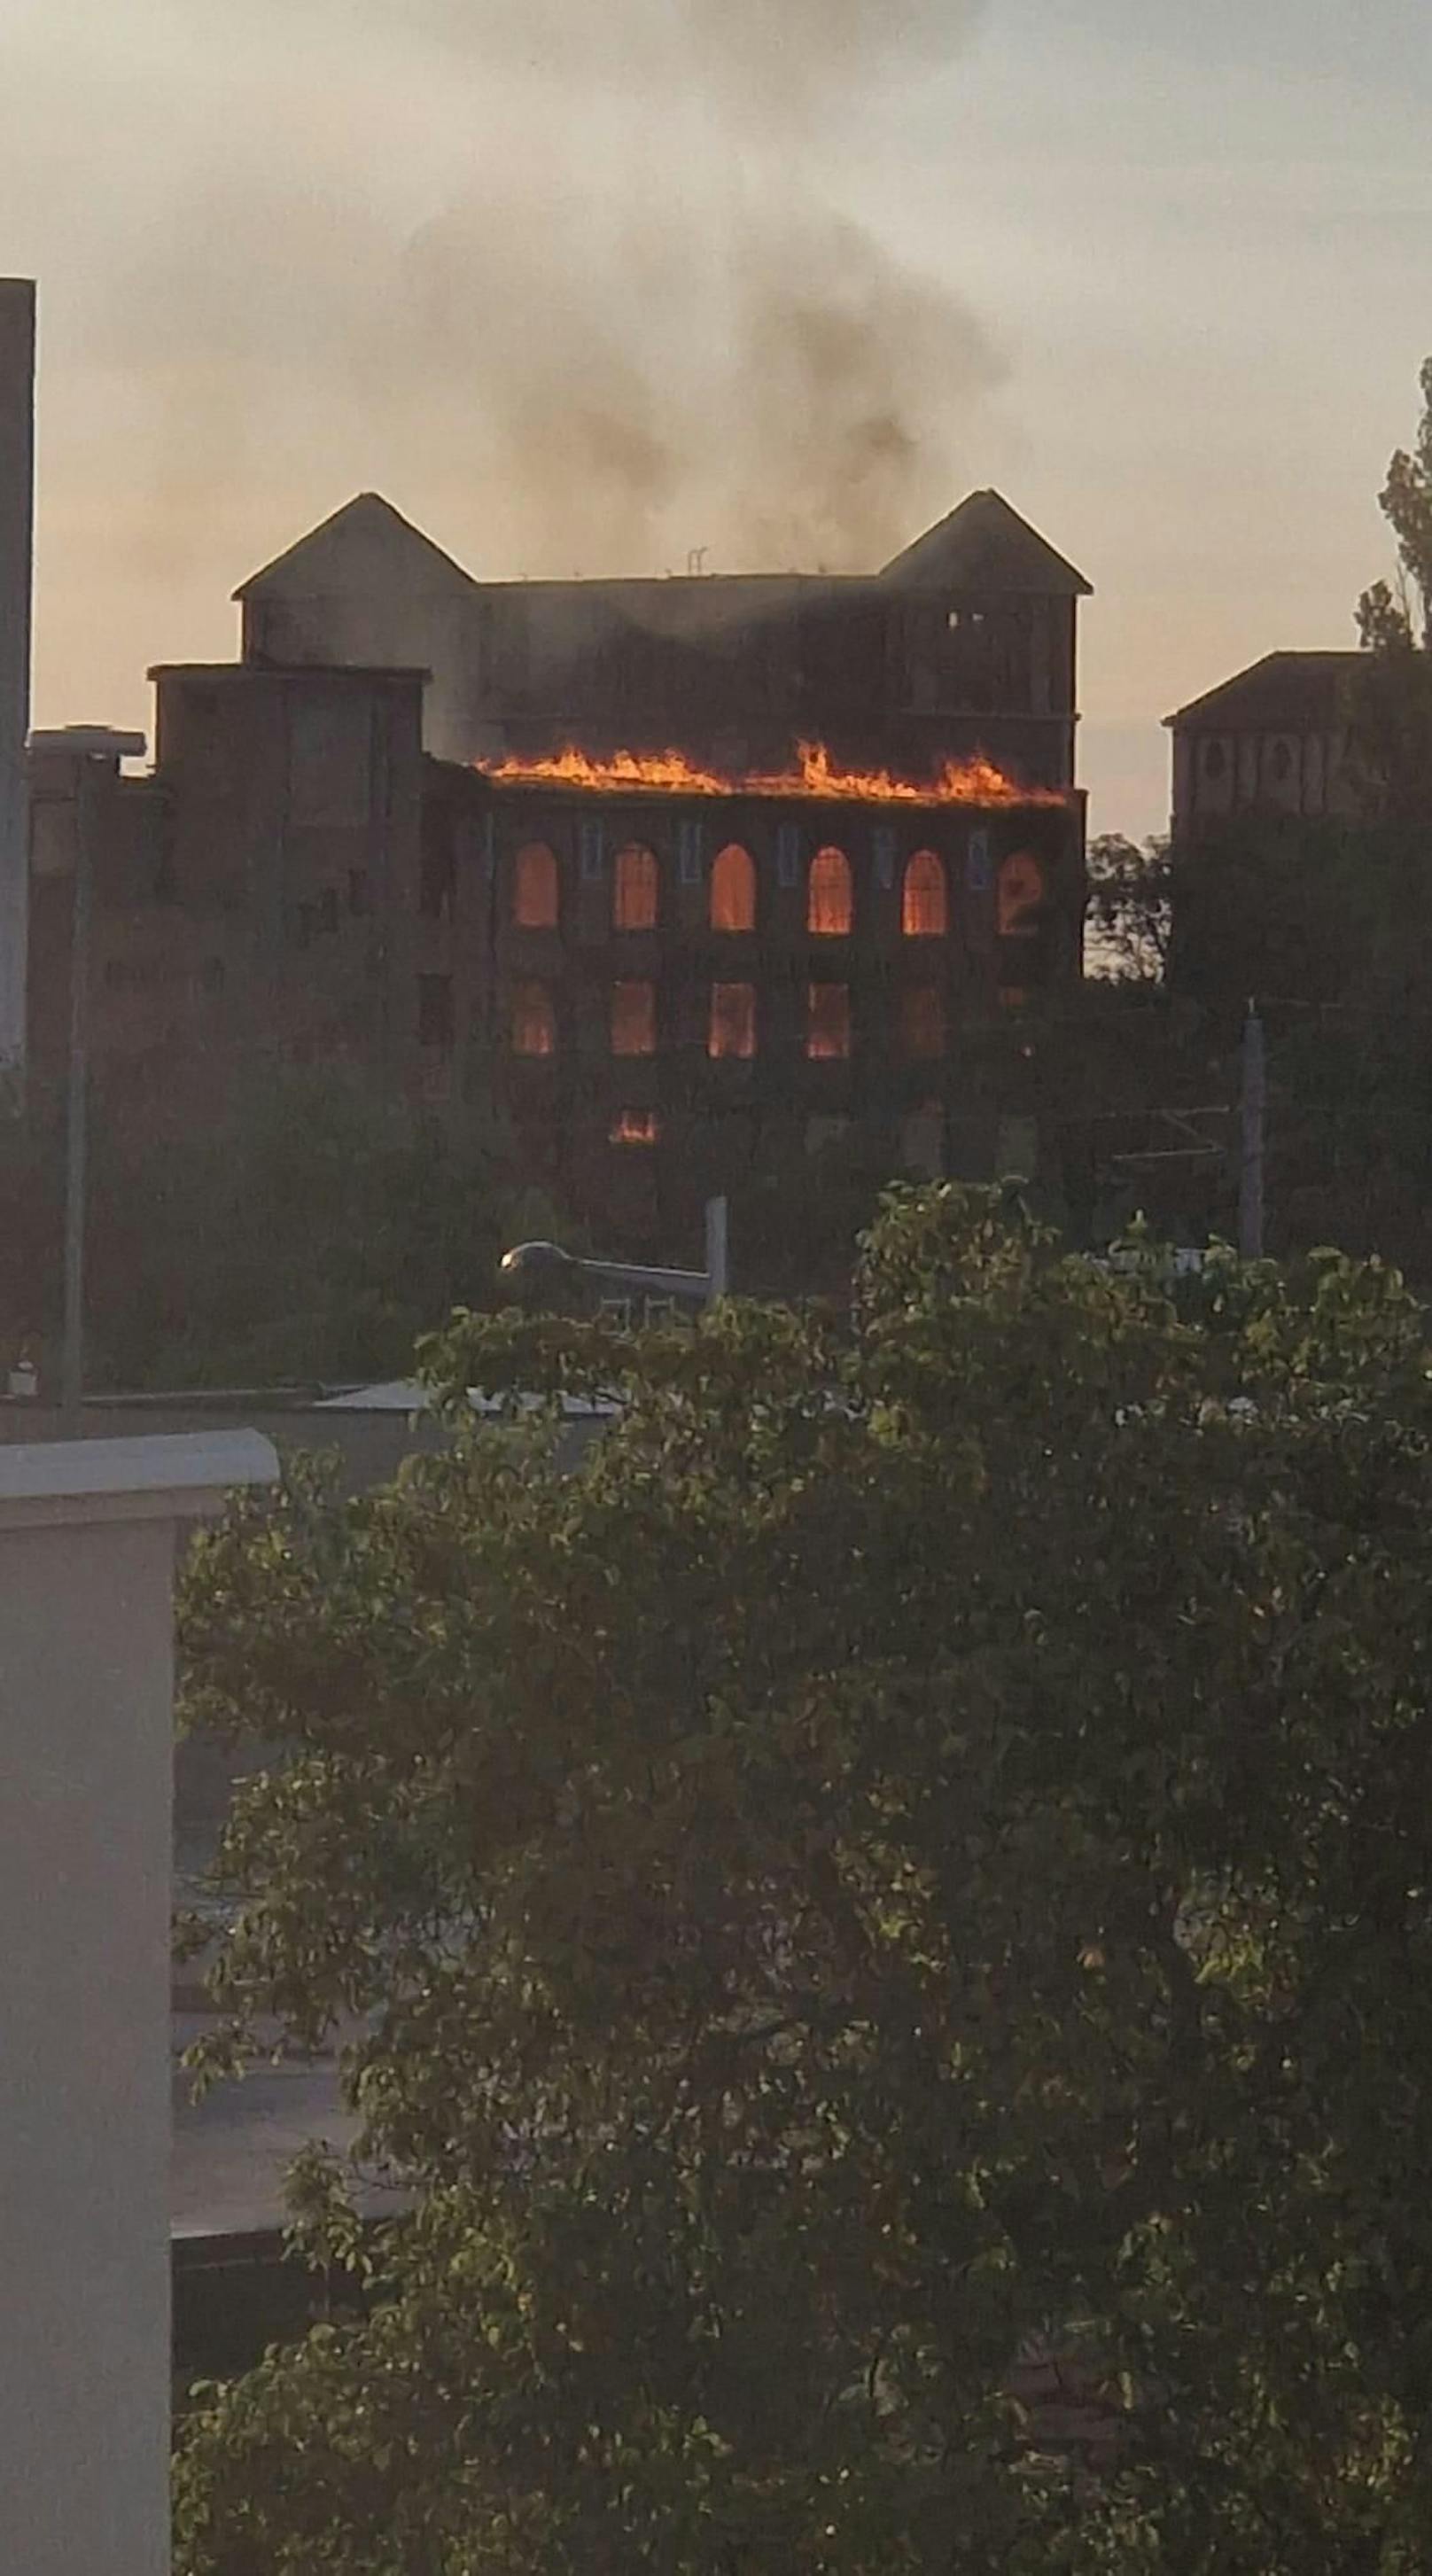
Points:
[(921, 1845), (1393, 708), (311, 1236), (1130, 908)]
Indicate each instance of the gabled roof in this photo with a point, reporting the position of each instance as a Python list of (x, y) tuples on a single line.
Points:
[(368, 529), (1289, 689), (986, 545)]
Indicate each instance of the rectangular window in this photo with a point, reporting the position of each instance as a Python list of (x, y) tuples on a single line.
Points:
[(732, 1030), (328, 909), (979, 873), (788, 854), (827, 1021), (690, 849), (633, 1019), (885, 848), (437, 875), (922, 1021), (360, 892), (435, 1012), (593, 849), (635, 1127), (534, 1022)]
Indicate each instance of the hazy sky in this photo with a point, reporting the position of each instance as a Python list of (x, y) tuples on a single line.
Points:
[(583, 286)]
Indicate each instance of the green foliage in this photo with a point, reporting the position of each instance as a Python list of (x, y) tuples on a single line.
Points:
[(1393, 708), (921, 1844), (313, 1236), (1130, 908), (1389, 618)]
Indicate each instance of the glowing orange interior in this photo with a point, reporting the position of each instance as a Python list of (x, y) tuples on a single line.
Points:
[(830, 899), (733, 889), (535, 891)]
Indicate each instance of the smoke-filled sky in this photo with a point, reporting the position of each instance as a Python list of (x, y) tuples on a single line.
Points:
[(582, 287)]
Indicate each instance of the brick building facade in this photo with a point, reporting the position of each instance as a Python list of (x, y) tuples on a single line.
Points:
[(658, 987)]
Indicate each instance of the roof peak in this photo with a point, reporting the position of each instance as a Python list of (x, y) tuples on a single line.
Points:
[(985, 542), (378, 512)]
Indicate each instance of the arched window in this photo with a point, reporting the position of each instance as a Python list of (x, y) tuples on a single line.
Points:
[(922, 1021), (534, 1025), (828, 1021), (924, 909), (1021, 896), (634, 888), (535, 887), (733, 889), (732, 1028), (633, 1019), (830, 900)]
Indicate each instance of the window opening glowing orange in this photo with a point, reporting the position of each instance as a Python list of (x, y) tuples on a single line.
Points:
[(534, 1025), (830, 899), (535, 888), (733, 889), (828, 1021), (924, 909), (635, 888), (732, 1030), (633, 1019), (635, 1127)]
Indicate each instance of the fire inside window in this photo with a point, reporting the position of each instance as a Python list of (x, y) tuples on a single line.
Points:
[(922, 1021), (830, 900), (635, 1127), (1020, 896), (733, 889), (635, 888), (535, 893), (924, 909), (534, 1025), (828, 1021), (733, 1021), (633, 1019)]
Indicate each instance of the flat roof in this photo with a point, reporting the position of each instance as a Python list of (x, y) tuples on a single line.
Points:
[(288, 671), (177, 1476)]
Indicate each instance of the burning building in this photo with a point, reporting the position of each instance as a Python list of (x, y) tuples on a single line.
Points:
[(963, 646), (370, 844)]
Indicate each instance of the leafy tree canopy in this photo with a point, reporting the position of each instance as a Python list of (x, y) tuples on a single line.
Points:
[(312, 1235), (921, 1845)]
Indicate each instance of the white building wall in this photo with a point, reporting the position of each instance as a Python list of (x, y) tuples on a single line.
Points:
[(87, 1545)]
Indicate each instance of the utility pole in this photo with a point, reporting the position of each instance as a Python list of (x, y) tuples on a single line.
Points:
[(1255, 1129), (72, 1359)]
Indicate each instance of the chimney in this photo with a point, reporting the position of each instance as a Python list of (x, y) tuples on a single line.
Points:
[(17, 506)]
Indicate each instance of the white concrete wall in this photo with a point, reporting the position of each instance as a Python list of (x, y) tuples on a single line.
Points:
[(87, 1546)]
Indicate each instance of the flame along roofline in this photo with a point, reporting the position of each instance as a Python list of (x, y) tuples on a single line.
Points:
[(975, 784)]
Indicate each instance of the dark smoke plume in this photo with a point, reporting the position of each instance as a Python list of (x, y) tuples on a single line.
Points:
[(648, 319)]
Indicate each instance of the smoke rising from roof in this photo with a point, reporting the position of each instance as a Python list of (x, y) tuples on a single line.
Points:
[(583, 288)]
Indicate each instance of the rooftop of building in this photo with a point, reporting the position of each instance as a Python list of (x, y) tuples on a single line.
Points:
[(1289, 688), (255, 668), (982, 545)]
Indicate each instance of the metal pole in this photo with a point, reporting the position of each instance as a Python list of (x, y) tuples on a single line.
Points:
[(1255, 1123), (76, 1137), (718, 1249)]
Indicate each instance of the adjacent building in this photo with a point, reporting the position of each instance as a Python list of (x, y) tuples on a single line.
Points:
[(1278, 738)]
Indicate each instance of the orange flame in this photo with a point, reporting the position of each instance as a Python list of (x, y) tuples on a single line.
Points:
[(670, 773)]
